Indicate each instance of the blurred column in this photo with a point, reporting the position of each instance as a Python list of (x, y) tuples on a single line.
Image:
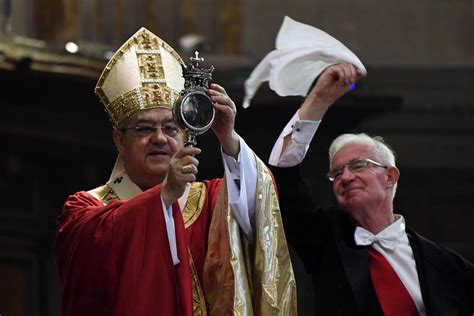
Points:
[(120, 22), (151, 17), (58, 21), (72, 22), (189, 16), (230, 20), (48, 18), (98, 19), (5, 16)]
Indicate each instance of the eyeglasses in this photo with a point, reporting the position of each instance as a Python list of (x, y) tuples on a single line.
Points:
[(145, 130), (354, 166)]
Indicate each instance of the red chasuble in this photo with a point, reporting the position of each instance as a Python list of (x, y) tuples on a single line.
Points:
[(115, 259)]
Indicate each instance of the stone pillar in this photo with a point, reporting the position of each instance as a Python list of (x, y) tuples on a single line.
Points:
[(230, 22)]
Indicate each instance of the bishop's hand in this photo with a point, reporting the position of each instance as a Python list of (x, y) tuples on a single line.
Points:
[(224, 120), (182, 170)]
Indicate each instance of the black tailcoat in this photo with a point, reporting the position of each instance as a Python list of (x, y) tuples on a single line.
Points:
[(324, 240)]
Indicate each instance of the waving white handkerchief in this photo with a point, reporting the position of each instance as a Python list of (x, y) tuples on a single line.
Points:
[(302, 53)]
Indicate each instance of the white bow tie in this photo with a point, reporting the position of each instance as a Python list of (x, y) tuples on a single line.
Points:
[(386, 239)]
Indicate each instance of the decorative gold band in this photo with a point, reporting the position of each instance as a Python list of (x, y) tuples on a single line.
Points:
[(143, 98)]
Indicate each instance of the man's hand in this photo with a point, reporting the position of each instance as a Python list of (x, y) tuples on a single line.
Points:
[(182, 170), (332, 84), (224, 120)]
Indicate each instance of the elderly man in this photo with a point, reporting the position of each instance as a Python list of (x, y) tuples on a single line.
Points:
[(153, 241), (362, 258)]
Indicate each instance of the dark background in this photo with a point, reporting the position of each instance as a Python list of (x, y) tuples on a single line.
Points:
[(56, 140)]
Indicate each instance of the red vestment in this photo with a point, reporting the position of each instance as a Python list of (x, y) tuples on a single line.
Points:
[(115, 259)]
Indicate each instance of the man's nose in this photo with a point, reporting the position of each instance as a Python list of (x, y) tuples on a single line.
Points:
[(159, 137), (346, 175)]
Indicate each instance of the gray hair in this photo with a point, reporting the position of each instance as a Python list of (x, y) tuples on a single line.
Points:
[(381, 151)]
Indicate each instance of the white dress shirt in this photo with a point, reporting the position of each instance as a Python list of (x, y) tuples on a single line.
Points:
[(398, 253), (401, 257), (302, 133)]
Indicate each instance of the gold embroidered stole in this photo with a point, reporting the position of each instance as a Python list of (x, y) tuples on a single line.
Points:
[(105, 194), (249, 279), (192, 210)]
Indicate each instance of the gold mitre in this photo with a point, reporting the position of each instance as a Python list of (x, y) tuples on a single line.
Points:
[(144, 73)]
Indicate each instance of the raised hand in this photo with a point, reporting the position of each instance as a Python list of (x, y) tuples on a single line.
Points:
[(182, 170), (334, 82), (224, 121)]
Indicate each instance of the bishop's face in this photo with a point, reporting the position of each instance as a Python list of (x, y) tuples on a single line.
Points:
[(147, 144)]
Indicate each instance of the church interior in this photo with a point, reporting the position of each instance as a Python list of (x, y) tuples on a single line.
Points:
[(418, 95)]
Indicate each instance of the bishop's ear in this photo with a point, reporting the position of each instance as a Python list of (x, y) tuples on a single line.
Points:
[(117, 136), (392, 176)]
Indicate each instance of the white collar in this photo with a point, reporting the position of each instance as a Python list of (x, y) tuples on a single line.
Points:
[(126, 189)]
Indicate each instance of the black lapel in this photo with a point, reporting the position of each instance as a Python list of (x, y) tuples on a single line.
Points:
[(355, 260), (420, 269)]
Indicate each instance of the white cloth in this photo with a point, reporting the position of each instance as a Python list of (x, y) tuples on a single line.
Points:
[(302, 133), (241, 180), (393, 244), (170, 231), (302, 53)]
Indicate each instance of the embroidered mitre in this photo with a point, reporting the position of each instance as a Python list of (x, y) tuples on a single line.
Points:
[(144, 73)]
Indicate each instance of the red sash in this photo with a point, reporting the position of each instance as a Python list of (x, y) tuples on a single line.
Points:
[(392, 294)]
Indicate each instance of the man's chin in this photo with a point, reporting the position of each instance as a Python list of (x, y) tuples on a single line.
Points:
[(352, 201), (158, 169), (158, 158)]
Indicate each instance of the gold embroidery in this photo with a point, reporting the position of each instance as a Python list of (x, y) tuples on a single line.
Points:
[(194, 204), (249, 279), (191, 212), (154, 96), (199, 302), (104, 193), (159, 79)]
